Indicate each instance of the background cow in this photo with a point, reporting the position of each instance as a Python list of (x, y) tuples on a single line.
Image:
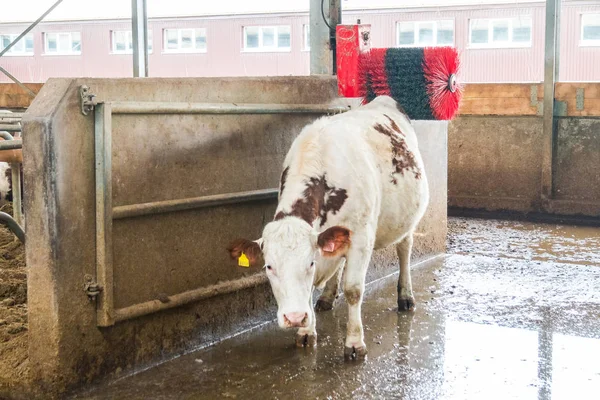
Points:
[(351, 183)]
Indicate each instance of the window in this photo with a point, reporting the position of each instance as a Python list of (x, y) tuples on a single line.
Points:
[(306, 35), (23, 47), (590, 30), (505, 32), (425, 33), (63, 43), (122, 42), (187, 40), (267, 38)]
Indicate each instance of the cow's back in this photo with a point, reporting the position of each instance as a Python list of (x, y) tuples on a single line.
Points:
[(372, 154)]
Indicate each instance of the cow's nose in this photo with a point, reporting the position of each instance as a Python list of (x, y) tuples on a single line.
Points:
[(295, 318)]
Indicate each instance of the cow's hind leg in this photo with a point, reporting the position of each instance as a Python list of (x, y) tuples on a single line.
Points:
[(330, 293), (307, 337), (406, 301)]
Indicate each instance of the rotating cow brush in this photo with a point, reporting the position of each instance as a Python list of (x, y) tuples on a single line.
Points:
[(423, 81)]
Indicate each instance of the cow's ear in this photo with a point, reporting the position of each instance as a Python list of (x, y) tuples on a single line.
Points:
[(252, 250), (334, 241)]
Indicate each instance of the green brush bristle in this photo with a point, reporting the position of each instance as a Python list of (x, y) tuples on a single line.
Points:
[(407, 82)]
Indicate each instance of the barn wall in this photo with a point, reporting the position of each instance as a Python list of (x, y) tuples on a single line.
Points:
[(495, 164), (225, 55)]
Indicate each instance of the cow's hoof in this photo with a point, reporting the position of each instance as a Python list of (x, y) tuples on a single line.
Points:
[(355, 353), (306, 340), (406, 304), (323, 305)]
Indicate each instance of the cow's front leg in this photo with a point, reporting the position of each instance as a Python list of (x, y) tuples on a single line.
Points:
[(307, 337), (330, 293), (354, 288)]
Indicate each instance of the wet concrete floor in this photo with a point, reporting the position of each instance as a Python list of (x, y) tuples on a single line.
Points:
[(512, 312)]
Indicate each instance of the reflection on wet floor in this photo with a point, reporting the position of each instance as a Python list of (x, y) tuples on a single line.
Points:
[(513, 312)]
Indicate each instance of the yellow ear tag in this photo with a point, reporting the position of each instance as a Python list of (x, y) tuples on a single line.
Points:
[(243, 261)]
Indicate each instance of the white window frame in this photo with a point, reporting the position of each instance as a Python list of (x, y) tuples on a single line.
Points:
[(113, 42), (305, 37), (12, 52), (587, 42), (263, 49), (416, 30), (500, 45), (62, 53), (179, 49)]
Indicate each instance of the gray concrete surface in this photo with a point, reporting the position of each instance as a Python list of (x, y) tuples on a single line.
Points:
[(495, 164), (512, 312), (163, 157)]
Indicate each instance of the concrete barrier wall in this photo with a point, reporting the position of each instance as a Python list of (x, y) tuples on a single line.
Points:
[(495, 164), (157, 158)]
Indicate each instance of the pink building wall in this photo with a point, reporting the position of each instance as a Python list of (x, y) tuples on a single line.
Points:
[(225, 56)]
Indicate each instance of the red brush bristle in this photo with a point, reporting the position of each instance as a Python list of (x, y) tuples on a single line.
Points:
[(379, 81), (363, 73), (373, 74), (440, 64)]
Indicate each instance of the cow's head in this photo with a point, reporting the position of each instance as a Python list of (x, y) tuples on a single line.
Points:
[(291, 248)]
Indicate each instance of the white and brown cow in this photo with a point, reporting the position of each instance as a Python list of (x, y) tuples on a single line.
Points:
[(351, 183)]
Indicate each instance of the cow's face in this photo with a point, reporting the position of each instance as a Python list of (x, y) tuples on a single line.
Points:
[(291, 249)]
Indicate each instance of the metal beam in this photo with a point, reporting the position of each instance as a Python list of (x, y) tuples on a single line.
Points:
[(167, 206), (18, 82), (30, 27), (550, 76), (325, 15), (139, 31), (136, 107)]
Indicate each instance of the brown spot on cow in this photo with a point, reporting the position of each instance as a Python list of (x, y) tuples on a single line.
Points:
[(394, 125), (402, 158), (284, 175), (352, 295), (318, 199), (334, 202), (382, 129)]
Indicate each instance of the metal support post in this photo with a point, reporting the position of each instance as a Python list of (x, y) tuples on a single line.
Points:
[(139, 25), (16, 192), (550, 76), (325, 15)]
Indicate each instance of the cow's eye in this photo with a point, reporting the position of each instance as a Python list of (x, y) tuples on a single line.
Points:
[(268, 267), (312, 264)]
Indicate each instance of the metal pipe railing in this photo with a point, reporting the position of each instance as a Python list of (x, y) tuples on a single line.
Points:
[(7, 220), (6, 115), (191, 296), (10, 128), (11, 144), (135, 107), (160, 207), (6, 136)]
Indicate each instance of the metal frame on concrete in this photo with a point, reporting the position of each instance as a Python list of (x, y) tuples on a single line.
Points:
[(107, 315), (323, 21), (551, 64), (139, 32)]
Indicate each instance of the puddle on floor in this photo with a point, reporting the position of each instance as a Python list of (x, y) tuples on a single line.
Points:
[(491, 323)]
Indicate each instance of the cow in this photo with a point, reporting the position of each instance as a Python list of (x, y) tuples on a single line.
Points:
[(351, 183)]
